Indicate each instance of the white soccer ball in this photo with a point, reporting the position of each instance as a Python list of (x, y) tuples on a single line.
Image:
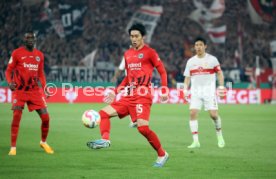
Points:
[(91, 118)]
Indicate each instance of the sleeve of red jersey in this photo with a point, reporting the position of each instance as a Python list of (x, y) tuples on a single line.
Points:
[(161, 70), (11, 65), (41, 74)]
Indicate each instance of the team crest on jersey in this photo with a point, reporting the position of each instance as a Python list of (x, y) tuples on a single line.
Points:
[(140, 55), (200, 68), (37, 58), (15, 101)]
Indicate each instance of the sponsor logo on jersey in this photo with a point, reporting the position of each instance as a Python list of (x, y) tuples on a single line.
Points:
[(37, 58), (135, 66), (140, 55), (31, 66)]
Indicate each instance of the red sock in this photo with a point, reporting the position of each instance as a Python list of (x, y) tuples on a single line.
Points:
[(152, 138), (15, 126), (104, 125), (44, 126)]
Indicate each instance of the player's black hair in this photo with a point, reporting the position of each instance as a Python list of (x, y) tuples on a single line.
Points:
[(140, 27), (200, 39), (29, 32)]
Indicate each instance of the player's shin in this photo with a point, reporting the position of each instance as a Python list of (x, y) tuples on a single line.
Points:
[(217, 124), (45, 120), (15, 126), (152, 139), (104, 125), (194, 129)]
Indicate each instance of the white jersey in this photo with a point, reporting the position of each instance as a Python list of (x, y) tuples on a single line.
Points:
[(203, 75)]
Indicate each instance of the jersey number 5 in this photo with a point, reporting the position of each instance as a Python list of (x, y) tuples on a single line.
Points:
[(139, 108)]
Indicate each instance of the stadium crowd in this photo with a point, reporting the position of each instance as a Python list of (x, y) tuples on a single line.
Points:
[(104, 28)]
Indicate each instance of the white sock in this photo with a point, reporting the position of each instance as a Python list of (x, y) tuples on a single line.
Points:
[(43, 142), (194, 129), (13, 147), (218, 126)]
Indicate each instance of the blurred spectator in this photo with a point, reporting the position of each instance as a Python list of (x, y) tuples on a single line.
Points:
[(105, 20)]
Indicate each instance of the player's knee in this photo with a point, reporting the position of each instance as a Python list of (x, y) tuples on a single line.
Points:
[(193, 114), (45, 117), (214, 116), (144, 130), (103, 114)]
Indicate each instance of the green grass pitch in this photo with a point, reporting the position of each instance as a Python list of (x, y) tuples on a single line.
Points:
[(249, 132)]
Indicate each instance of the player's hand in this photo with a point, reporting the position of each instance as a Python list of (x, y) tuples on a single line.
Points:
[(109, 97), (12, 86), (186, 95), (164, 98), (221, 92)]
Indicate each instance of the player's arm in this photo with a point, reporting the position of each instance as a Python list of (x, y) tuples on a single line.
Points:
[(42, 77), (163, 75), (9, 70), (187, 81), (220, 76)]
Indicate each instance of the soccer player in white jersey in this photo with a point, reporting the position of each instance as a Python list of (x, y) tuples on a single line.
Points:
[(201, 71)]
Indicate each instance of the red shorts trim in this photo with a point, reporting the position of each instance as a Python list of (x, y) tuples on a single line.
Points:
[(34, 99), (126, 106)]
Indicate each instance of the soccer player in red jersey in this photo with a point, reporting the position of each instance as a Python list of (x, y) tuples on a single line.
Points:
[(25, 69), (140, 61)]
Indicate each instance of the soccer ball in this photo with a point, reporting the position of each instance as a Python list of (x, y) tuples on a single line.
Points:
[(91, 118)]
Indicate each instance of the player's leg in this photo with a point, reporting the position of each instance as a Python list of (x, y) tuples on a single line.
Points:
[(18, 102), (36, 101), (217, 122), (17, 114), (115, 109), (193, 123), (211, 105), (45, 124), (143, 111), (106, 113), (150, 135), (195, 106)]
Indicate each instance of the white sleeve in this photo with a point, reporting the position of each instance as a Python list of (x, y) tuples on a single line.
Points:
[(122, 64), (187, 69), (215, 62)]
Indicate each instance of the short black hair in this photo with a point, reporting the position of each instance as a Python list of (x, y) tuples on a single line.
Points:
[(138, 26), (29, 32), (200, 39)]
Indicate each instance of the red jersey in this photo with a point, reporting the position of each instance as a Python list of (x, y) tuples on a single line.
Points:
[(25, 68), (140, 64)]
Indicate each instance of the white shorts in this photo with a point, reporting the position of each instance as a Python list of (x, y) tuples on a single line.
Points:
[(210, 103)]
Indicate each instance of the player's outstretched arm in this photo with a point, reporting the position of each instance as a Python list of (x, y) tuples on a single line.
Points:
[(164, 83)]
